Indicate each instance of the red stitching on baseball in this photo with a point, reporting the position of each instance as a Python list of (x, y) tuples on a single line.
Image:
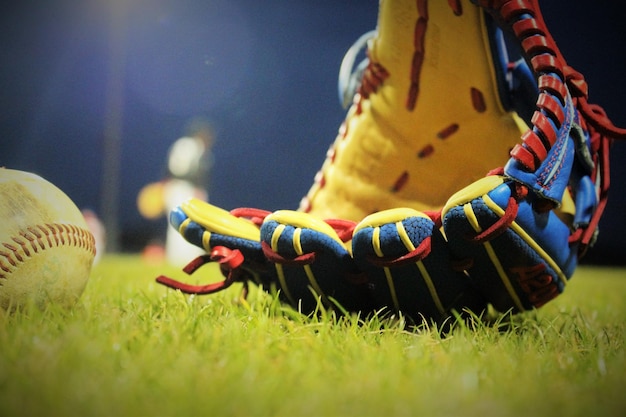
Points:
[(36, 239), (4, 266), (45, 232), (7, 255), (13, 250), (40, 237)]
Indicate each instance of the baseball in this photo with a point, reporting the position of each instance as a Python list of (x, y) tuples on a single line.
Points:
[(46, 248)]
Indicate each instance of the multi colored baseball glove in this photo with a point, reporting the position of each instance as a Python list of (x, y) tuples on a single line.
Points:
[(452, 96)]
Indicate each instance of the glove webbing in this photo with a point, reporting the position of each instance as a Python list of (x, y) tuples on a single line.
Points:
[(555, 80)]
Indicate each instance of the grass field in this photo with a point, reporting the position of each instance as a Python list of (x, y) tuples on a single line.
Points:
[(133, 348)]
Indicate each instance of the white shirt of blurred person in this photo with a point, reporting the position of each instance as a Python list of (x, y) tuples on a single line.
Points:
[(189, 163)]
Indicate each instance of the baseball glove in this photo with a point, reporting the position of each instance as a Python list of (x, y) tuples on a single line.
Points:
[(452, 96)]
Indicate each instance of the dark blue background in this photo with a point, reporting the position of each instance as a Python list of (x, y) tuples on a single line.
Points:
[(263, 72)]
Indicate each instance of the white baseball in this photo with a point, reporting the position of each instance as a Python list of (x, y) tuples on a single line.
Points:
[(46, 248)]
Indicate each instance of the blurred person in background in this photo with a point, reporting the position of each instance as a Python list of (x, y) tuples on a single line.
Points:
[(187, 174)]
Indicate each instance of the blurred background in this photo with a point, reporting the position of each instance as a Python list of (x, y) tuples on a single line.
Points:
[(93, 93)]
